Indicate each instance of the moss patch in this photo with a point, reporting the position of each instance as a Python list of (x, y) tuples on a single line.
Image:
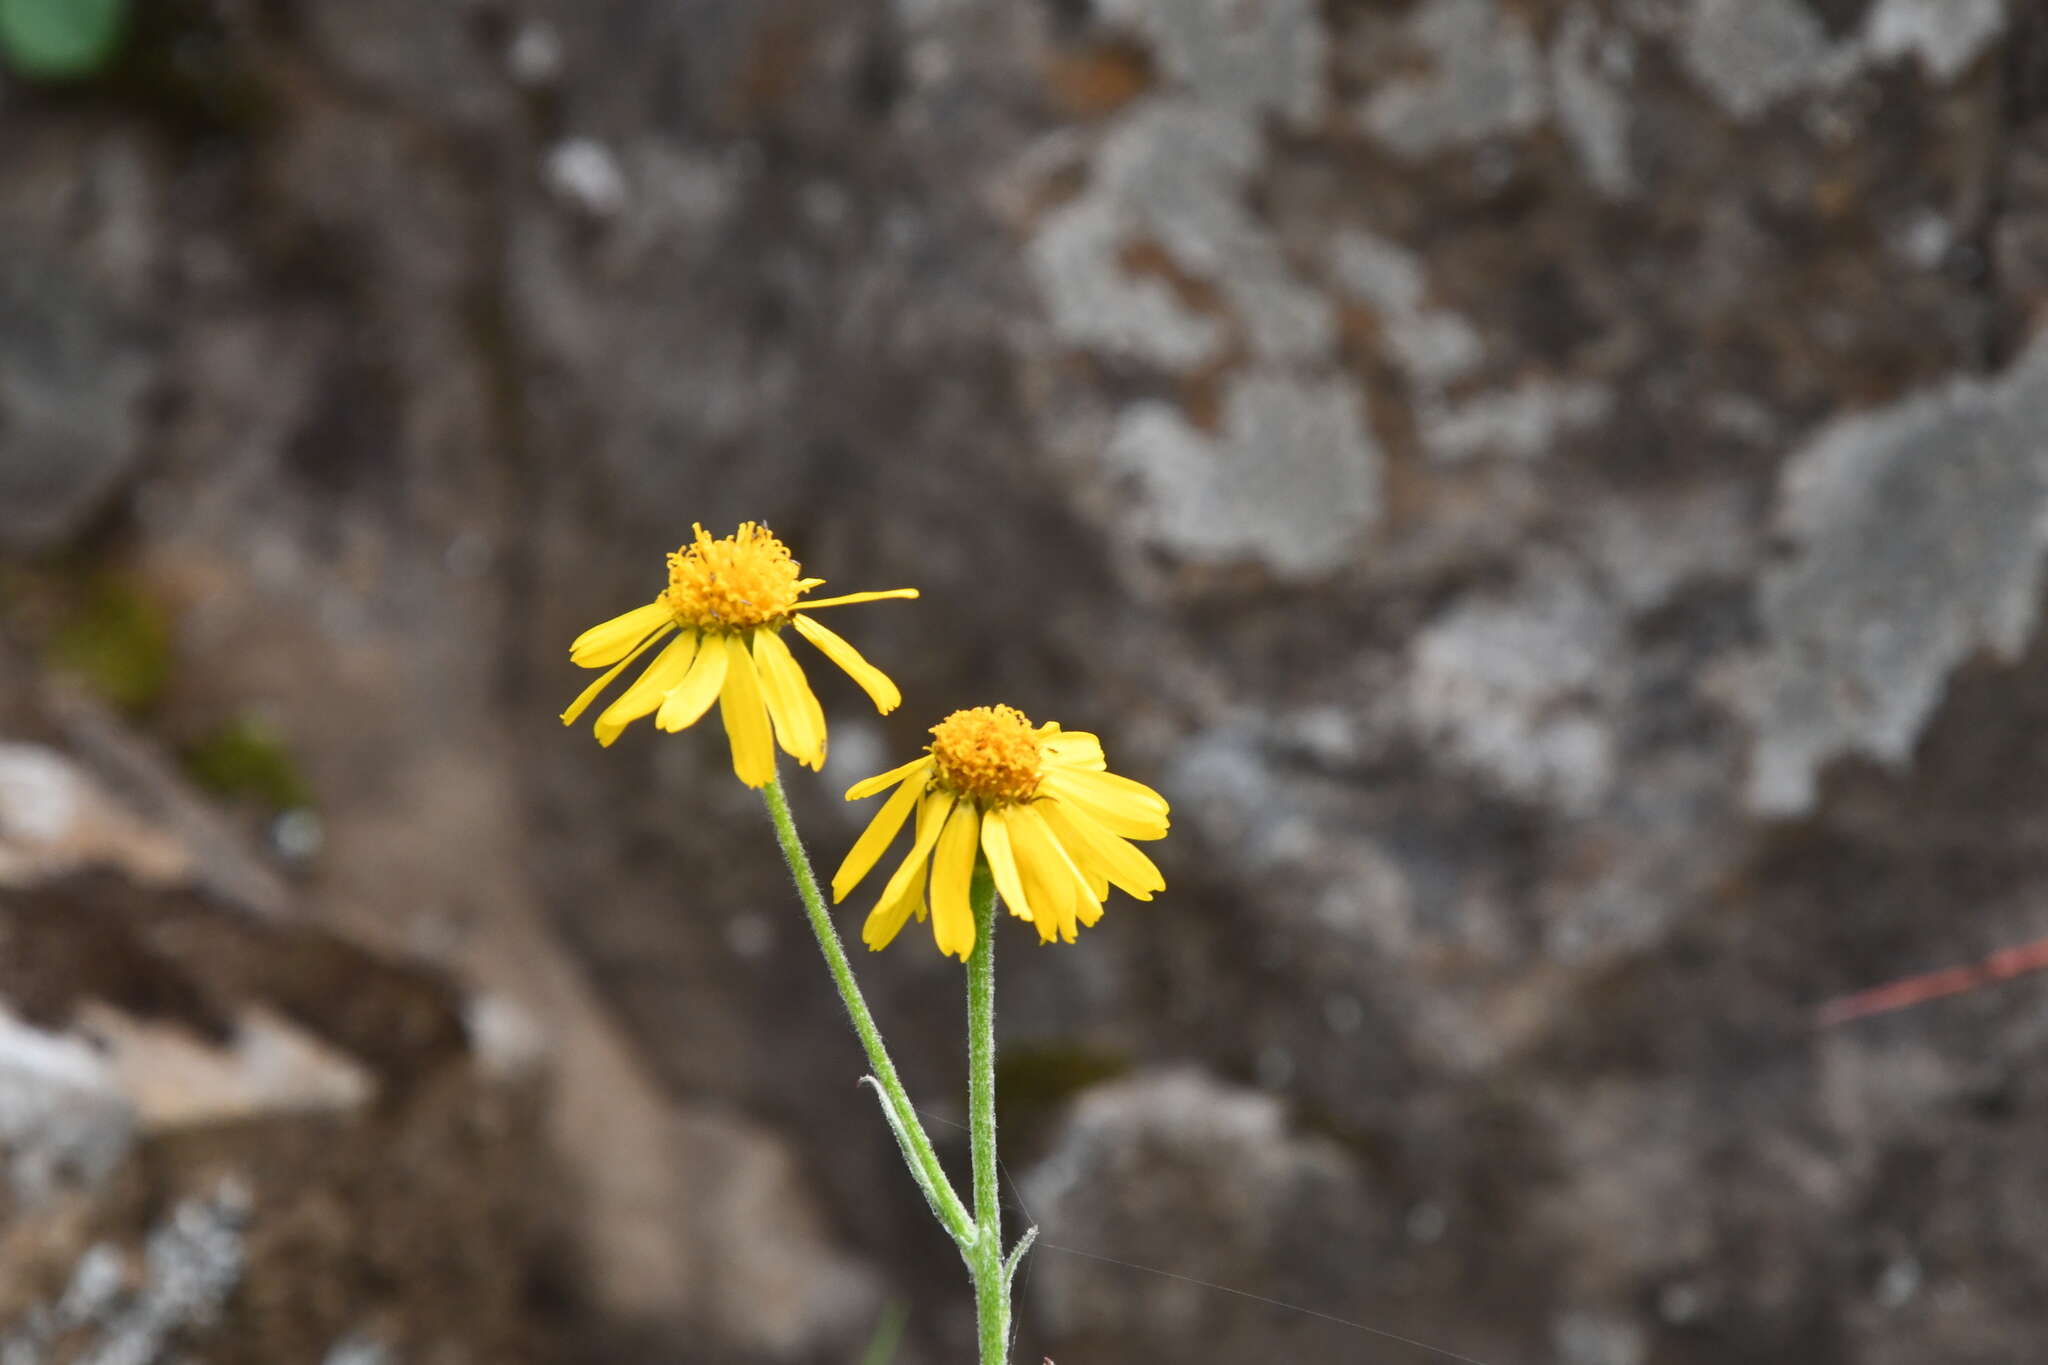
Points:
[(247, 759), (117, 642)]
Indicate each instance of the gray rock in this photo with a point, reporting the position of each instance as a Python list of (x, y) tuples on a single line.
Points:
[(1542, 487), (1919, 535), (64, 1120), (1293, 481), (191, 1262), (72, 379), (1488, 80), (1192, 1181)]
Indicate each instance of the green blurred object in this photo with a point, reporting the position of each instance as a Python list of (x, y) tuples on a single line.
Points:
[(118, 643), (247, 758), (61, 39), (888, 1337)]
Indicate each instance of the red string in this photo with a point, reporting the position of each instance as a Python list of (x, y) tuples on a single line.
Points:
[(2002, 965)]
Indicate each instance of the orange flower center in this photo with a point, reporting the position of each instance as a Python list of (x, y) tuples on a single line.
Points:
[(988, 752), (744, 580)]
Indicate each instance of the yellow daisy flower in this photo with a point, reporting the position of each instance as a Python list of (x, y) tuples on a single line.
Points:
[(1038, 804), (726, 604)]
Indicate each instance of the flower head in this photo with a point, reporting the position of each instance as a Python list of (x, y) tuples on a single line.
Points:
[(726, 603), (1037, 802)]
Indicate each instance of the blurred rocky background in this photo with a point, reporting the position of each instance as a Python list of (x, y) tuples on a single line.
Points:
[(1553, 491)]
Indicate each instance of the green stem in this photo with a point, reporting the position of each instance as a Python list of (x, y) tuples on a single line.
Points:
[(910, 1135), (991, 1283)]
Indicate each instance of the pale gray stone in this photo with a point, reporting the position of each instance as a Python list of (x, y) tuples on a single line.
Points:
[(1919, 531)]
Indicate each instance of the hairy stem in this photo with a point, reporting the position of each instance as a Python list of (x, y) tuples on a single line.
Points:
[(916, 1144), (991, 1284)]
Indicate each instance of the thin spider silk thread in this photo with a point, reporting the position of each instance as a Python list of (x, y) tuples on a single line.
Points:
[(1017, 1194)]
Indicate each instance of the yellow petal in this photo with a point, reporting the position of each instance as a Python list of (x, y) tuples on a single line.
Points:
[(814, 714), (745, 713), (953, 878), (1114, 808), (849, 599), (872, 680), (1097, 883), (786, 713), (1087, 899), (1043, 852), (612, 641), (886, 920), (1098, 851), (689, 699), (869, 786), (647, 690), (589, 694), (1002, 864), (876, 838), (931, 817), (1050, 880), (1074, 749), (799, 723), (1114, 787)]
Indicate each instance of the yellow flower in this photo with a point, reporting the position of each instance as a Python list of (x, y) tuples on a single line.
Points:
[(726, 604), (1038, 804)]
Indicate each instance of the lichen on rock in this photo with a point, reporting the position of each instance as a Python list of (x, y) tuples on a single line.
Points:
[(1917, 530), (1292, 480)]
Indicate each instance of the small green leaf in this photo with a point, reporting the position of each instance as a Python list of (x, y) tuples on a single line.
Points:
[(888, 1337), (57, 39)]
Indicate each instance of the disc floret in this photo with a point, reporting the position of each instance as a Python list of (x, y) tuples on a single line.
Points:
[(990, 753), (737, 582)]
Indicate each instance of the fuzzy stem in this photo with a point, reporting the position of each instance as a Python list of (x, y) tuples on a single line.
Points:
[(910, 1135), (991, 1284)]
